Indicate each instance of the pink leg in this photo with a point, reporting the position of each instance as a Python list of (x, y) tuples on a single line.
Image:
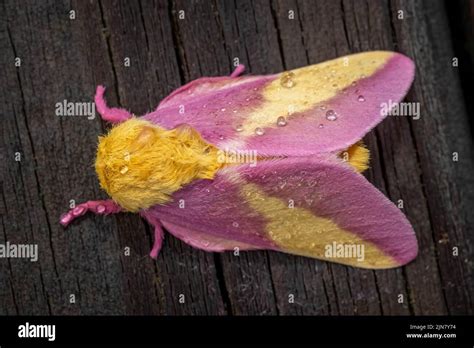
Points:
[(98, 207), (112, 115), (159, 233), (238, 70)]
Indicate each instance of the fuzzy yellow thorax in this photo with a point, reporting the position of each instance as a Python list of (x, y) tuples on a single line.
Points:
[(140, 164)]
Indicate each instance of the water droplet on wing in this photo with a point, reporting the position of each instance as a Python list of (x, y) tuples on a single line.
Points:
[(287, 79), (259, 131), (281, 121)]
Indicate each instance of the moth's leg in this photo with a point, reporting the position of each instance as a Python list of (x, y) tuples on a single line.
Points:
[(159, 235), (105, 207), (112, 115), (238, 70)]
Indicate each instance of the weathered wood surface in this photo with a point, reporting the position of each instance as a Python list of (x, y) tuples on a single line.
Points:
[(65, 59)]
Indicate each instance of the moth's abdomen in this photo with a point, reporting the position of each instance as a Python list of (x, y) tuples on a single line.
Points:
[(140, 164)]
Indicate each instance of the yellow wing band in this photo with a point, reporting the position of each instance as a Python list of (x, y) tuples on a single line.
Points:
[(298, 231)]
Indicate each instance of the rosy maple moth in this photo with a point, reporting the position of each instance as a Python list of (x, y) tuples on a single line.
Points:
[(299, 188)]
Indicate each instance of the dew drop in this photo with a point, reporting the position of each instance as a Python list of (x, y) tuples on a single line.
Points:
[(223, 109), (331, 115), (235, 224), (234, 111), (287, 79), (259, 131), (281, 121), (239, 128), (100, 209), (354, 83), (123, 170), (361, 98), (321, 126), (221, 137), (322, 107)]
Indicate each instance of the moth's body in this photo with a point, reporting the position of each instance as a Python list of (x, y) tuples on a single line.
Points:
[(304, 195), (140, 164)]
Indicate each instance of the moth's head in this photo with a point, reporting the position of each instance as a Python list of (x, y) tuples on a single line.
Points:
[(140, 164)]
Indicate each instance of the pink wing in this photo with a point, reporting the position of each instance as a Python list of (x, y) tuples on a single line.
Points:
[(326, 107), (304, 206)]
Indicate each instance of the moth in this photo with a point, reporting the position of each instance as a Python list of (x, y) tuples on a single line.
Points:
[(262, 162)]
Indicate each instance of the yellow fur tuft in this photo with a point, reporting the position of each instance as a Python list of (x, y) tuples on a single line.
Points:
[(140, 164), (357, 156)]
